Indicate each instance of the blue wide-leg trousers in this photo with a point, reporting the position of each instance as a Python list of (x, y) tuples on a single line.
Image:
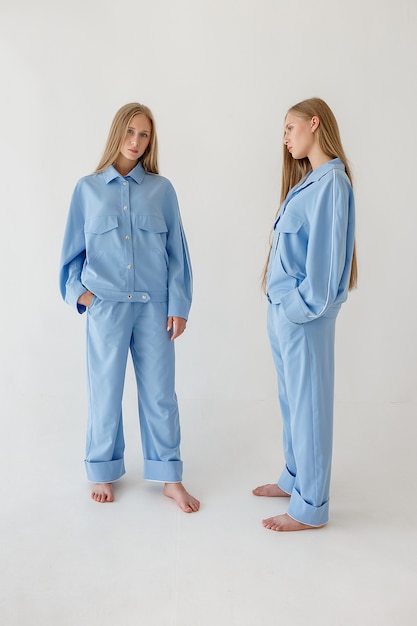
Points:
[(304, 359), (114, 328)]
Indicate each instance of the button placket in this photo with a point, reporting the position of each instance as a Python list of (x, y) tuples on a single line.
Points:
[(130, 283)]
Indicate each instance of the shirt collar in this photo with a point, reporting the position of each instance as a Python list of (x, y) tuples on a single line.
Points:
[(137, 174), (314, 175), (311, 177)]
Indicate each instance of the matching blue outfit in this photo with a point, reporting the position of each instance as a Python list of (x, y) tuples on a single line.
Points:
[(124, 241), (307, 281)]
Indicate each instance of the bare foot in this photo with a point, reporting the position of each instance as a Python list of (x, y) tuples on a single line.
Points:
[(285, 523), (185, 501), (271, 491), (102, 492)]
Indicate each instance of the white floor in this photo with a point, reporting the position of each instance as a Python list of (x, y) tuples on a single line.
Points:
[(68, 561)]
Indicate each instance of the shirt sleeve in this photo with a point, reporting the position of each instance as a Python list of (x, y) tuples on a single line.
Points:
[(73, 255), (180, 278), (326, 252)]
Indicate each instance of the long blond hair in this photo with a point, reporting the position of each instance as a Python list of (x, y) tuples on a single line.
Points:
[(117, 134), (293, 170)]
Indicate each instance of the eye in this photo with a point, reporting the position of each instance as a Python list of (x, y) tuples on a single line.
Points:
[(130, 131), (144, 135)]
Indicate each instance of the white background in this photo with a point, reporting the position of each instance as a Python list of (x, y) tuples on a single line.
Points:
[(219, 76)]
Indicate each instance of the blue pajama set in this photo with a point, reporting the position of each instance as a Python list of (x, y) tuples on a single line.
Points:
[(124, 241), (307, 281)]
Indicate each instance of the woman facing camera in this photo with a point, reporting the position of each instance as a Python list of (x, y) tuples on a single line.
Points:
[(125, 261)]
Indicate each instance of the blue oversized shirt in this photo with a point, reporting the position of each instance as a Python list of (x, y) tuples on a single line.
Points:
[(311, 256), (124, 241)]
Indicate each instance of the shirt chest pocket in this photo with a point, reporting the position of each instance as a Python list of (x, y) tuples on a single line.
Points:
[(102, 233), (292, 245), (288, 223), (151, 231)]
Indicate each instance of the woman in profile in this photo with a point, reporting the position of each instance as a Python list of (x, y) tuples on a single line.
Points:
[(125, 261), (310, 269)]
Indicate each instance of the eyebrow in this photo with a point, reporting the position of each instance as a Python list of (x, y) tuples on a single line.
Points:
[(142, 130)]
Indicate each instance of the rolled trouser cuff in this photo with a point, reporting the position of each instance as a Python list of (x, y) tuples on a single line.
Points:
[(306, 513), (286, 481), (163, 471), (104, 471)]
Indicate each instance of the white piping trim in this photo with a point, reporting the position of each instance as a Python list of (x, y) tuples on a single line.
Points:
[(332, 250)]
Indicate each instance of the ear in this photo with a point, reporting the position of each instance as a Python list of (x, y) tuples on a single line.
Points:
[(314, 123)]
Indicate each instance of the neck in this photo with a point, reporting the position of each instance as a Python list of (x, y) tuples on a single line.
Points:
[(123, 166), (317, 158)]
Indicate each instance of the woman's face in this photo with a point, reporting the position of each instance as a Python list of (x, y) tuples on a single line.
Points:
[(299, 135), (137, 137)]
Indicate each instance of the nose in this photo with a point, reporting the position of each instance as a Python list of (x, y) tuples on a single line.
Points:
[(135, 139)]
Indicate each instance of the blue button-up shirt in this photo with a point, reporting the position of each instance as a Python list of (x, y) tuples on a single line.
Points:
[(311, 256), (124, 241)]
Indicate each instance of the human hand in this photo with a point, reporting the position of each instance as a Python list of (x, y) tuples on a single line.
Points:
[(177, 325), (86, 298)]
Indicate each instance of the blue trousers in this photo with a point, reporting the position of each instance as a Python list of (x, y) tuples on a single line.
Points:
[(114, 328), (304, 359)]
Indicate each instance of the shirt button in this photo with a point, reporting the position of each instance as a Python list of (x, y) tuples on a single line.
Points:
[(129, 267), (127, 237), (124, 183), (125, 208), (143, 297), (129, 296)]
